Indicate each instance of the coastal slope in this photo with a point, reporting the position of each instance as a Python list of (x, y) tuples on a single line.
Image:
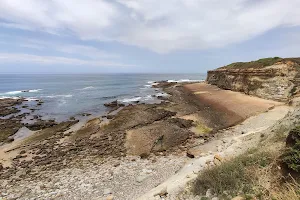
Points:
[(269, 78)]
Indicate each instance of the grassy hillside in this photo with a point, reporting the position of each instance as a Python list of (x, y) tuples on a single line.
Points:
[(271, 172), (264, 62)]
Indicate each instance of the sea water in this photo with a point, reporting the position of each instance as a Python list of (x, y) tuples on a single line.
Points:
[(67, 95)]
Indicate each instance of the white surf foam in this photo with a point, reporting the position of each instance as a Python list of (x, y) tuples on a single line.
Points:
[(87, 88), (59, 96), (7, 97), (131, 99), (20, 91)]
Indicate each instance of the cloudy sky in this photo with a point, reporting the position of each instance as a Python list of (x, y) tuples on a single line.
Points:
[(142, 36)]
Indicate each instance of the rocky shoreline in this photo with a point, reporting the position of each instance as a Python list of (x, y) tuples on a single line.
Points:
[(131, 135)]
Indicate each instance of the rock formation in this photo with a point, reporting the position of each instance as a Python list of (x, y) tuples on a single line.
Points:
[(269, 78)]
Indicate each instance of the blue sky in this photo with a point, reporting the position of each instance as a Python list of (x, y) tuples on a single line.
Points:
[(143, 36)]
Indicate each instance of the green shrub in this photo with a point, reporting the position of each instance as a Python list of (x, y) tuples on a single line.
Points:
[(255, 64), (291, 158)]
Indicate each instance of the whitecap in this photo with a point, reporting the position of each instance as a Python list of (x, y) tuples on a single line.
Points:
[(20, 91), (31, 99), (35, 90), (58, 96), (131, 99), (7, 97), (87, 88), (13, 92)]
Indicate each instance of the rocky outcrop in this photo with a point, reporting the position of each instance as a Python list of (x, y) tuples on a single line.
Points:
[(272, 78)]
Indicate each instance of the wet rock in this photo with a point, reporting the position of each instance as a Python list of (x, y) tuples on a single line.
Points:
[(72, 118), (110, 116), (85, 114), (114, 104), (40, 124)]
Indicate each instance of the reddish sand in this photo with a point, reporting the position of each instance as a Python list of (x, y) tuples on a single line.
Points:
[(234, 106)]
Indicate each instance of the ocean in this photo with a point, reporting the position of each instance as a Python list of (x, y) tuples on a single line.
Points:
[(67, 95)]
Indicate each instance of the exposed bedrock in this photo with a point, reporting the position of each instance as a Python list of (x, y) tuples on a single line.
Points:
[(271, 78)]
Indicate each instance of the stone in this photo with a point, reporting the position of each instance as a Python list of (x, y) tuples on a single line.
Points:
[(20, 173), (22, 152), (107, 191), (163, 192), (117, 164), (218, 157), (208, 193), (215, 198), (141, 178), (64, 162), (1, 167), (110, 197), (194, 152), (217, 162), (238, 198)]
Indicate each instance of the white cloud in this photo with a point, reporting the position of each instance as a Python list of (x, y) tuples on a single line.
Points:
[(90, 52), (50, 60), (159, 25)]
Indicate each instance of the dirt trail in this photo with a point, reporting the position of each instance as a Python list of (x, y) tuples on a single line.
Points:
[(230, 143)]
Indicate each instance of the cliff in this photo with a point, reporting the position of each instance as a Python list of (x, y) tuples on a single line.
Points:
[(270, 78)]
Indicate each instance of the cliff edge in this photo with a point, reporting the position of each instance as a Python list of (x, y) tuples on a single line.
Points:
[(269, 78)]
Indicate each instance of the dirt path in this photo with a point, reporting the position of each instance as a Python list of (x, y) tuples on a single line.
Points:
[(230, 143)]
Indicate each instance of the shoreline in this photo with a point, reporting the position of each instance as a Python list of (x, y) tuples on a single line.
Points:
[(141, 133)]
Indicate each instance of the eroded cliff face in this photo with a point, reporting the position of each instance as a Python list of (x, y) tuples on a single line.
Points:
[(279, 81)]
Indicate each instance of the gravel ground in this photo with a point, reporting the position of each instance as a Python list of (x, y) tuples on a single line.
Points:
[(123, 179)]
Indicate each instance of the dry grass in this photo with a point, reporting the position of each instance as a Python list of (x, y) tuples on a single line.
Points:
[(289, 191), (253, 175), (234, 176)]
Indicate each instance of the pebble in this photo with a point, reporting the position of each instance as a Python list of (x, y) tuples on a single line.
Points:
[(110, 197), (208, 193), (141, 178), (107, 191)]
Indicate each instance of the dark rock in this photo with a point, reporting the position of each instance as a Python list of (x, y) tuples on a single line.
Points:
[(85, 114), (9, 140), (111, 104), (41, 124), (72, 118), (110, 116), (144, 155), (22, 152)]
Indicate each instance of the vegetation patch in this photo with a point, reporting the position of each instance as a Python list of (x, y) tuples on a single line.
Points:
[(264, 62), (291, 157), (234, 176), (201, 130)]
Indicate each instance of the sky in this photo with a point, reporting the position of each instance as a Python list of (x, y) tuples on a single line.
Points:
[(143, 36)]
